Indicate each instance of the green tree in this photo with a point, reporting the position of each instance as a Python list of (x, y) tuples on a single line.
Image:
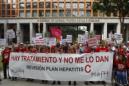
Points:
[(110, 6)]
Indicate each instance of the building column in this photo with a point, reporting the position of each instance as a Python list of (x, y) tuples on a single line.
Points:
[(5, 29), (44, 28), (118, 28), (91, 27), (105, 31), (5, 35), (127, 33), (31, 32), (18, 33)]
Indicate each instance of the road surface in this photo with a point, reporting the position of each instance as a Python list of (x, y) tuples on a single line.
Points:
[(24, 82)]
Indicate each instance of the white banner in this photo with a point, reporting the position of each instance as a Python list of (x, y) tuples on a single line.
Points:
[(62, 67)]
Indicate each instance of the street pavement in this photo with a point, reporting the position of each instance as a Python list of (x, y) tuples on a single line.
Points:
[(24, 82), (39, 83)]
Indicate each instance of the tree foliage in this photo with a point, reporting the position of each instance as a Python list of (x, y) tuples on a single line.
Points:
[(110, 6)]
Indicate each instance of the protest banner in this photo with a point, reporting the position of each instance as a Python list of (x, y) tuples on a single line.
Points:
[(52, 41), (118, 38), (39, 35), (92, 42), (40, 41), (3, 42), (62, 67), (81, 39), (69, 38)]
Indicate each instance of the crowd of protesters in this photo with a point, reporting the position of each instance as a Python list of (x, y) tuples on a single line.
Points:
[(120, 59)]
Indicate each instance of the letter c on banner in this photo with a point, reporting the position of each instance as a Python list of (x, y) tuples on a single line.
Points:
[(88, 68)]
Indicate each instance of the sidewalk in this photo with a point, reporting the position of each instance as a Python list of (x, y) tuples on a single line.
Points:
[(38, 83), (23, 82)]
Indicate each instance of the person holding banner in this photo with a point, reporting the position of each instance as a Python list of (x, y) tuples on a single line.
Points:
[(121, 69), (5, 60), (56, 50), (72, 50), (44, 49)]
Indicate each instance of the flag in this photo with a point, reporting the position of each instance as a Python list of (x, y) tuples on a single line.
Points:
[(56, 32)]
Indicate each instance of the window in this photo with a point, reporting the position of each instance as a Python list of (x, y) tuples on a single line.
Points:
[(3, 12), (54, 13), (88, 5), (68, 13), (88, 13), (41, 5), (13, 12), (75, 13), (61, 13), (34, 13), (21, 13), (28, 5), (75, 6), (34, 4), (8, 12), (22, 5), (47, 13), (54, 5), (81, 5), (48, 5), (13, 6), (61, 5), (68, 5), (81, 13), (28, 13), (41, 12)]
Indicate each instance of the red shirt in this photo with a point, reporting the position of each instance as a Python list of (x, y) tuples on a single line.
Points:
[(87, 50), (121, 51), (20, 49), (119, 64), (33, 50), (6, 54), (102, 49)]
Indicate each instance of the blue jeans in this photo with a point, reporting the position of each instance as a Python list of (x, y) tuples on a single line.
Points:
[(121, 77)]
